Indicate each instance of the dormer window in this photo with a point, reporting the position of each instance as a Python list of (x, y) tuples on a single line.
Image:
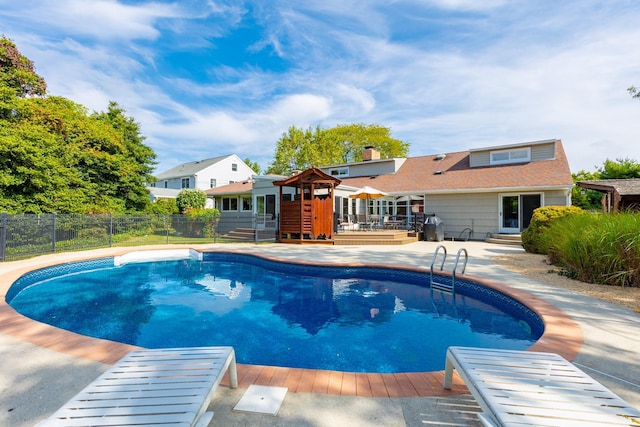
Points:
[(516, 155), (337, 172)]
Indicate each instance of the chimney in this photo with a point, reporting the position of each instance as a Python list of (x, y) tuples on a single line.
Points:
[(370, 153)]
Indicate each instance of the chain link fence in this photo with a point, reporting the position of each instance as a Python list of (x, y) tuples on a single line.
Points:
[(29, 235)]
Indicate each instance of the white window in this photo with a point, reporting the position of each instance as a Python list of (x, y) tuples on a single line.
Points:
[(247, 203), (212, 183), (185, 182), (234, 167), (517, 155), (339, 172)]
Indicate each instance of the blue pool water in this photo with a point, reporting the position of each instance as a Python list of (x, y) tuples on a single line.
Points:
[(339, 318)]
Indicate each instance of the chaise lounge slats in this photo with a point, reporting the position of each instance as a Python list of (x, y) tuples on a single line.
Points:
[(522, 388), (165, 387)]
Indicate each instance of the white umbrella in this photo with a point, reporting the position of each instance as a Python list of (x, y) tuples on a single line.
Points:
[(367, 193), (409, 198)]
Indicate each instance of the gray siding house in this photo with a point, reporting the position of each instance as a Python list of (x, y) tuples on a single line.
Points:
[(476, 193)]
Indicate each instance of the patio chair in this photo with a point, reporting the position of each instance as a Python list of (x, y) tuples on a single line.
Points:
[(345, 223), (172, 387), (527, 388)]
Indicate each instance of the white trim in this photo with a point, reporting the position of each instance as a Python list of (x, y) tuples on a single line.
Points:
[(501, 228), (510, 146)]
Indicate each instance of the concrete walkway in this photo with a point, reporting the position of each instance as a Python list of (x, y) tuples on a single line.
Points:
[(35, 381)]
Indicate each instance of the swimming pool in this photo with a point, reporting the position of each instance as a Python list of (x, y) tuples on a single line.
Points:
[(358, 319)]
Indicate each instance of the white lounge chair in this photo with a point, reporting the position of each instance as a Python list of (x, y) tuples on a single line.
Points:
[(171, 387), (523, 388)]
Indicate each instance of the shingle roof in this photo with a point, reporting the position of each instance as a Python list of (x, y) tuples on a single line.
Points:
[(190, 168), (420, 174), (624, 187), (233, 188)]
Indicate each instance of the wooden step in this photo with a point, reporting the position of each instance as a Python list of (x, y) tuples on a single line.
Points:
[(381, 237), (505, 239)]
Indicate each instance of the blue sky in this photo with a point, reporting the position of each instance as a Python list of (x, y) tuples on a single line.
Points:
[(206, 78)]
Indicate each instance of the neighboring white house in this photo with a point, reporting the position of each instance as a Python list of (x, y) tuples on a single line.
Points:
[(205, 174)]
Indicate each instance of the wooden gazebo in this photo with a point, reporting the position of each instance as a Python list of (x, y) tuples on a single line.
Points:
[(307, 215)]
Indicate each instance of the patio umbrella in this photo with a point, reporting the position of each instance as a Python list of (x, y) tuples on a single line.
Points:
[(367, 193)]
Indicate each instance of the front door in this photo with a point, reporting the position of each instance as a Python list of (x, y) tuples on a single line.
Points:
[(516, 211)]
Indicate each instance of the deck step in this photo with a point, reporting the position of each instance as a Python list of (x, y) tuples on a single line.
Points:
[(385, 237), (505, 239)]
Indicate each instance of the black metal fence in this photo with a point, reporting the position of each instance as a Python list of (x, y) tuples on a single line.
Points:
[(25, 236)]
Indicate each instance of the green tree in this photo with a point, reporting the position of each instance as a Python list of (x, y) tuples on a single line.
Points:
[(56, 157), (135, 160), (634, 92), (584, 198), (17, 72), (301, 149), (355, 137), (253, 165), (191, 199), (619, 169)]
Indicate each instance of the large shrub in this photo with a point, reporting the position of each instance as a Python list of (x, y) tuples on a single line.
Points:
[(601, 249), (191, 199), (163, 207), (533, 238), (202, 222)]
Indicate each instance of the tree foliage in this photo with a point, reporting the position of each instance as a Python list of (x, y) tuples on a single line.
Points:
[(253, 165), (56, 157), (619, 169), (584, 198), (299, 149), (191, 199), (163, 207), (634, 92), (17, 72)]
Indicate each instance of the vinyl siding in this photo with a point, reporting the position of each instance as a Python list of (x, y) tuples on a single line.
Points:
[(555, 198), (480, 158), (479, 212), (543, 152)]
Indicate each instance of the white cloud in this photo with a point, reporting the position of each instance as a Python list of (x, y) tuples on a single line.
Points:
[(472, 74), (102, 19)]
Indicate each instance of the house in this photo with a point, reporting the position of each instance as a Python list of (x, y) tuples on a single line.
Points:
[(205, 174), (476, 192), (618, 194), (252, 203)]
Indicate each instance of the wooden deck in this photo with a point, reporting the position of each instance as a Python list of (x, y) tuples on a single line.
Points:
[(375, 237)]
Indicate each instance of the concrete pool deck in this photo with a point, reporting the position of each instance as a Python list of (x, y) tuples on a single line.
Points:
[(39, 373)]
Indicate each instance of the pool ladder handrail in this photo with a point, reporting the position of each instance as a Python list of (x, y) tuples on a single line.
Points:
[(443, 286)]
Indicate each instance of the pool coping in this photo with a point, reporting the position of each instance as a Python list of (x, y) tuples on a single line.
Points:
[(562, 335)]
